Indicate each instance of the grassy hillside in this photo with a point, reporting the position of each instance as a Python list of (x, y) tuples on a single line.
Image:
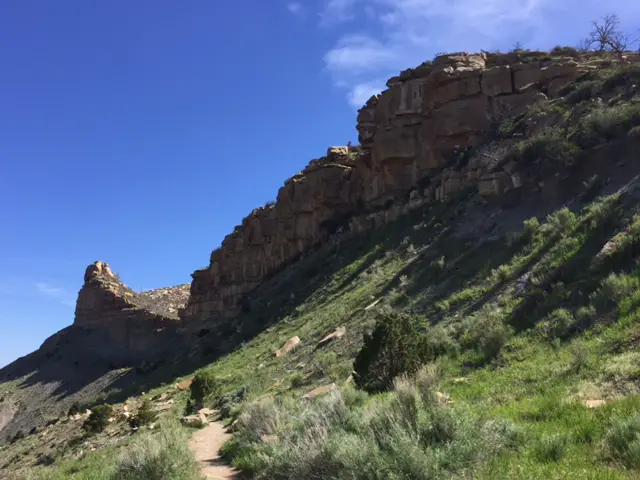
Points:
[(528, 304)]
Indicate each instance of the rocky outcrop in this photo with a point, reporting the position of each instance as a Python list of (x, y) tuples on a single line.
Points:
[(130, 325), (411, 136), (309, 207), (413, 129)]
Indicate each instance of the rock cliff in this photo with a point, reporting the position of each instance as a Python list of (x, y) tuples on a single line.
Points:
[(414, 142), (131, 326), (411, 137)]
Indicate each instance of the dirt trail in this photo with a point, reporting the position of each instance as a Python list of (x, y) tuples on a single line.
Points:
[(205, 444)]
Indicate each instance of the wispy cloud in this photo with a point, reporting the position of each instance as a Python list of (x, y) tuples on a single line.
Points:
[(358, 53), (24, 288), (295, 8), (338, 11), (402, 33), (360, 93), (56, 293)]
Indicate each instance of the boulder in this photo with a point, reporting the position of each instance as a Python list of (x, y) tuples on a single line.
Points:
[(207, 412), (442, 398), (333, 336), (609, 248), (195, 421), (317, 392), (287, 347), (184, 384), (594, 403)]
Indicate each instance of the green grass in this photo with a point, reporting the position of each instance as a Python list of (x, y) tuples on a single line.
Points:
[(152, 455), (404, 434), (530, 359)]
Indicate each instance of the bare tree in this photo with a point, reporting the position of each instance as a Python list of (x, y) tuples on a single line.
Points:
[(607, 36), (583, 45)]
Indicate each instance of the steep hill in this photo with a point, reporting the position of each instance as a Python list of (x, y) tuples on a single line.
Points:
[(493, 201)]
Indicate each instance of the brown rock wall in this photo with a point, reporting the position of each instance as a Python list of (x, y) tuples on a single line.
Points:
[(130, 325), (407, 134)]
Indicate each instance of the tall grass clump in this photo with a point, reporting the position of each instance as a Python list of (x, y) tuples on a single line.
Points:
[(529, 229), (622, 442), (162, 455), (94, 466), (405, 433), (550, 448), (486, 334)]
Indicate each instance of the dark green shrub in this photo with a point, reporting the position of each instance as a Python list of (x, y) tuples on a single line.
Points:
[(525, 236), (205, 389), (615, 290), (75, 409), (395, 346), (297, 380), (565, 51), (145, 416), (550, 145), (99, 419), (607, 123), (583, 91), (558, 324), (229, 401), (623, 76)]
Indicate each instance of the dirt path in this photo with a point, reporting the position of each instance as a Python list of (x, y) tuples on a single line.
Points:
[(205, 444)]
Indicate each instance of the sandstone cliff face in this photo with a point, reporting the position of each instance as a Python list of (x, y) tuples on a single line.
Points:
[(130, 325), (427, 113), (407, 135), (413, 136), (303, 215)]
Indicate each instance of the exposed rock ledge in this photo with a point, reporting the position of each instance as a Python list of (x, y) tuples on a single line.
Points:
[(407, 134), (131, 326)]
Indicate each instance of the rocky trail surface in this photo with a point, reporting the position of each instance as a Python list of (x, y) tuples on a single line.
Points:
[(205, 444)]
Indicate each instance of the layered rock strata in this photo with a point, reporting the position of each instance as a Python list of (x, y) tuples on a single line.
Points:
[(409, 135), (130, 325)]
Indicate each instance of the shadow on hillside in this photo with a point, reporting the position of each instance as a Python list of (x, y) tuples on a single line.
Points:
[(59, 371), (282, 294), (468, 259)]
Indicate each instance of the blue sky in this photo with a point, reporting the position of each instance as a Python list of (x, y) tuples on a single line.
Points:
[(139, 132)]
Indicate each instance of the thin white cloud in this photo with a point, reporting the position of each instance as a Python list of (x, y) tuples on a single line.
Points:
[(338, 11), (359, 94), (55, 293), (295, 8), (408, 32), (357, 53)]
